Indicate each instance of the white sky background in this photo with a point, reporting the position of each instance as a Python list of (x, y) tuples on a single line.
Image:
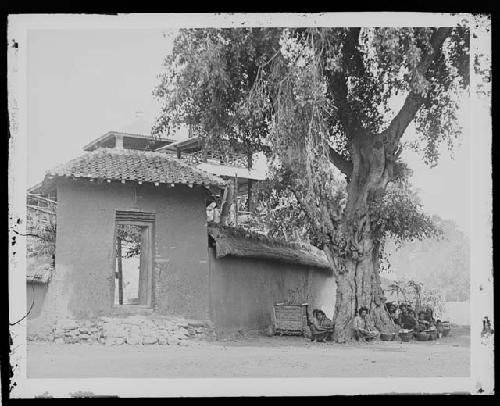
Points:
[(84, 83)]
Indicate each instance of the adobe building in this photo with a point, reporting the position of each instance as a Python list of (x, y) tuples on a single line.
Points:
[(250, 273), (184, 268)]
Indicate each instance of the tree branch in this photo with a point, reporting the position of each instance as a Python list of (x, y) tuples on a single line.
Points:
[(341, 163), (414, 101), (307, 209), (319, 216), (337, 84)]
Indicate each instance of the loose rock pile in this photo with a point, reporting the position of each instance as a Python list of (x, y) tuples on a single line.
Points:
[(132, 330)]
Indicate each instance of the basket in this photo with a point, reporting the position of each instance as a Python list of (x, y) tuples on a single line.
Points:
[(446, 328), (432, 334), (422, 336), (387, 337), (406, 336)]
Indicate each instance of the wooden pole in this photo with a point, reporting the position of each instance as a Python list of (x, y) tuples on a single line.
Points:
[(249, 196), (119, 141), (236, 199), (226, 205), (120, 270)]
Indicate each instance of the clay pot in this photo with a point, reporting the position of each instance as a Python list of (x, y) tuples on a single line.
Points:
[(422, 336)]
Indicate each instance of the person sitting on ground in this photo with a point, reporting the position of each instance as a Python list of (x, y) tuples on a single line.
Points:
[(429, 316), (396, 314), (393, 311), (422, 323), (402, 312), (363, 328), (324, 321), (439, 328), (321, 326), (413, 316), (407, 320)]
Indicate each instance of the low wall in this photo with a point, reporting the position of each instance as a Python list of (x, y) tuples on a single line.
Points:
[(131, 330), (244, 290)]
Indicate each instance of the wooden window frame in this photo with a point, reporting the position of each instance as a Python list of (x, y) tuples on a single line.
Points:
[(146, 220)]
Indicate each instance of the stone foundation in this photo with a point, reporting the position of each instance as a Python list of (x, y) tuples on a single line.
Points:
[(132, 330)]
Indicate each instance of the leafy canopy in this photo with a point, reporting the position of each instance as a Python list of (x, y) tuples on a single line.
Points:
[(230, 83), (306, 96)]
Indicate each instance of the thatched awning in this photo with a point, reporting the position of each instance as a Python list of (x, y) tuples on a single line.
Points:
[(239, 244), (38, 270)]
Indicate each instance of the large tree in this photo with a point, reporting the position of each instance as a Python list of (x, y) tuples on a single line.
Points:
[(319, 101)]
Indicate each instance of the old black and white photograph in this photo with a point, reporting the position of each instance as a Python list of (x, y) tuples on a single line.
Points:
[(250, 204)]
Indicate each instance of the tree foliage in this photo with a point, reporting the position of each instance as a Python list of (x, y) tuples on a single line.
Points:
[(305, 95), (397, 214), (330, 107), (206, 83), (41, 234), (418, 295), (130, 238)]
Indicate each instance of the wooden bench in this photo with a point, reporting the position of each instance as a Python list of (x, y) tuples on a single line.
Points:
[(290, 319)]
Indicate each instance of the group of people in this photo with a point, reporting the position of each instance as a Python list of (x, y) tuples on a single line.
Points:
[(405, 317), (322, 327), (402, 315)]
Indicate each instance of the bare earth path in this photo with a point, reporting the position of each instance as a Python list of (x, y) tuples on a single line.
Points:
[(255, 357)]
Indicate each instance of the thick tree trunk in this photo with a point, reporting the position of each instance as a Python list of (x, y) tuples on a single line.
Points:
[(372, 158), (358, 285), (225, 215), (358, 281)]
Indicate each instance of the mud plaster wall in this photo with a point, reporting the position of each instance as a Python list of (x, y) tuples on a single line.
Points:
[(244, 290), (82, 285), (35, 294)]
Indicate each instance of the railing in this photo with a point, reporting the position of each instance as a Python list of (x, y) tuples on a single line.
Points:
[(41, 203), (249, 220), (40, 210), (239, 160)]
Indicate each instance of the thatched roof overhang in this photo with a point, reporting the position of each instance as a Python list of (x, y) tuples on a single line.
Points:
[(238, 243)]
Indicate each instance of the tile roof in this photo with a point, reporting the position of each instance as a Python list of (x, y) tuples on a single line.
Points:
[(134, 166)]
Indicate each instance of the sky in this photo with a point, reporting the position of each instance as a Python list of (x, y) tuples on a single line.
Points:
[(84, 83)]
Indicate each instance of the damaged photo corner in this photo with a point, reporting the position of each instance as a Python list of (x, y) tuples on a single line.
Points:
[(250, 205)]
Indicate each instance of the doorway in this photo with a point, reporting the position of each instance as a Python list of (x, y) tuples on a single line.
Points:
[(133, 281)]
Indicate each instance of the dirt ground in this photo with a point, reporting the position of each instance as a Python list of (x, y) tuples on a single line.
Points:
[(255, 357)]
